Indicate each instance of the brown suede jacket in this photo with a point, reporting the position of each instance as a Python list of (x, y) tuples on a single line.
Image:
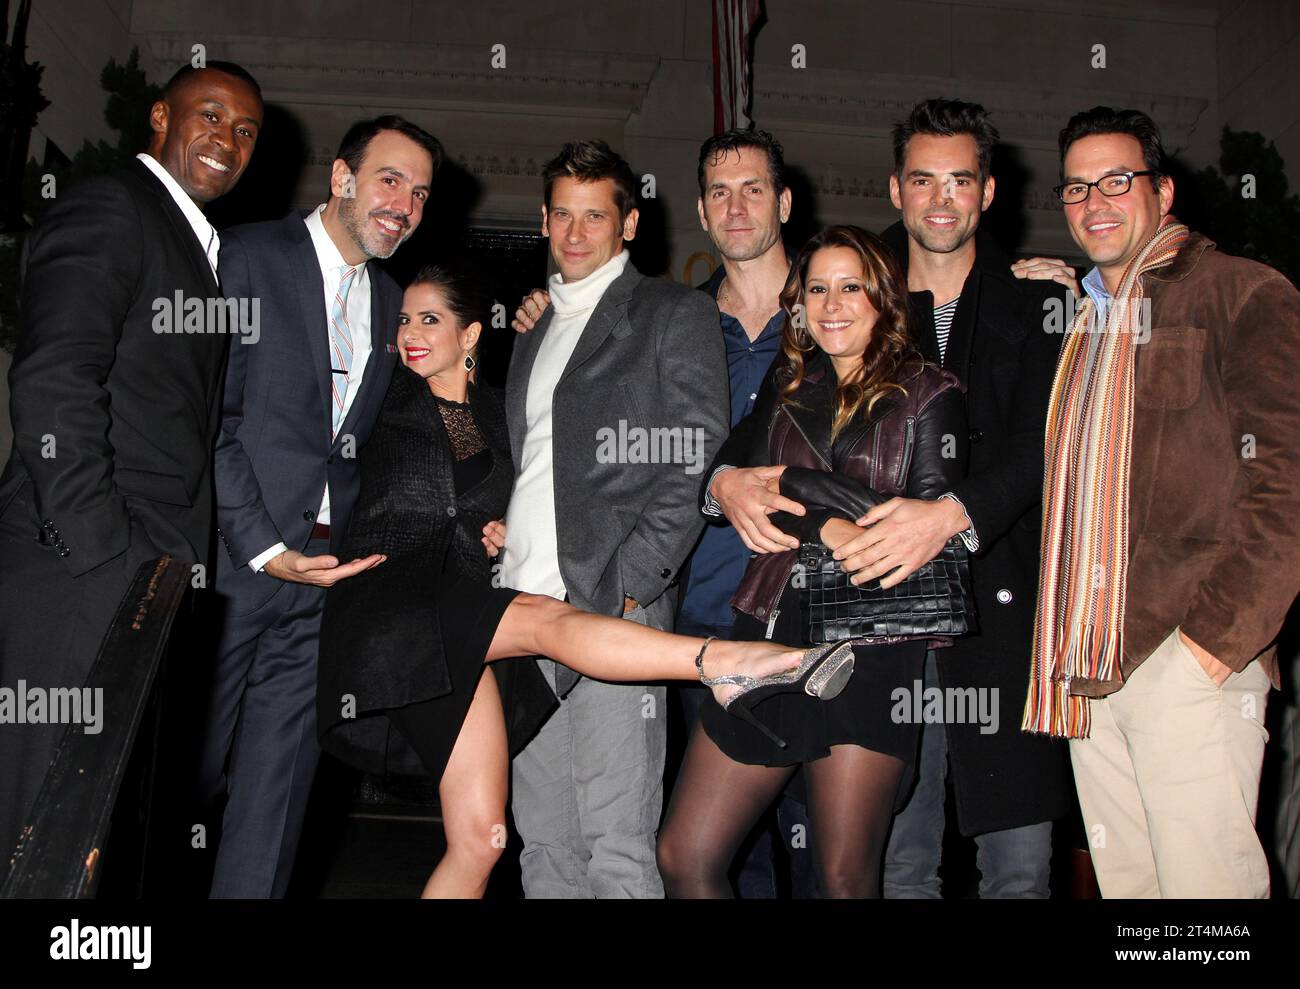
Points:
[(1214, 497)]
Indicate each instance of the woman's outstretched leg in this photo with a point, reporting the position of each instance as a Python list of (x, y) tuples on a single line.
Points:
[(613, 649), (715, 804), (850, 804), (472, 795)]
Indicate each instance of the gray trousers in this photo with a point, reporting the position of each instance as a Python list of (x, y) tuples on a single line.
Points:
[(588, 792)]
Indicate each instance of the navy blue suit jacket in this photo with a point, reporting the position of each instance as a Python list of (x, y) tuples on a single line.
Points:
[(274, 453)]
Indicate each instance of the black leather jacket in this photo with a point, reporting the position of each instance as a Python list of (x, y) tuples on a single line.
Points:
[(913, 444)]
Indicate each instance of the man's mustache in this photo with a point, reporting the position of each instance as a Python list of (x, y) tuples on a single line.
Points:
[(395, 217)]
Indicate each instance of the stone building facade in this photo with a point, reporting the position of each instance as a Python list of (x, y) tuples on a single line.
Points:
[(504, 82)]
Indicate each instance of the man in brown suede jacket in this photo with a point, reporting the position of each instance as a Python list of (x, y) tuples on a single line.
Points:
[(1161, 680)]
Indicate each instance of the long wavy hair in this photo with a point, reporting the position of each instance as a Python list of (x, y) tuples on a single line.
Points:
[(890, 346)]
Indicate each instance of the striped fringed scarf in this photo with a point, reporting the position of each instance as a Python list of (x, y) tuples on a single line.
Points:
[(1079, 627)]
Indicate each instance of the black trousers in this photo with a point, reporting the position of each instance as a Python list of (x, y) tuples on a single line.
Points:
[(260, 744)]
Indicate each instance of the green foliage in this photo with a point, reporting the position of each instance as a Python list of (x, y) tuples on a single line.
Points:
[(1265, 228), (130, 95)]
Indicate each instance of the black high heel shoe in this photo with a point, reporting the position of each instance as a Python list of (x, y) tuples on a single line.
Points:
[(822, 673)]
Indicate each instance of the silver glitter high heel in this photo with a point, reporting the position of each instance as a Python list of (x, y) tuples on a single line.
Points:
[(822, 673)]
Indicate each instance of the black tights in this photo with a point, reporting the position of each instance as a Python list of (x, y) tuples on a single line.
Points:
[(717, 801)]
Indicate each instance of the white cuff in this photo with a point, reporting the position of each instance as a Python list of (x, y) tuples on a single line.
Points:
[(711, 506), (262, 559), (970, 537)]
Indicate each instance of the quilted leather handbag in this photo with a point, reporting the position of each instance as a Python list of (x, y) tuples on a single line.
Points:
[(934, 601)]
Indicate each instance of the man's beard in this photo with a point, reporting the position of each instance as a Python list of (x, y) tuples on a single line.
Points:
[(753, 249), (938, 242), (367, 240)]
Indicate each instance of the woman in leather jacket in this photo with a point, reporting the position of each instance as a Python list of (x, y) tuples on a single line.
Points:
[(856, 417)]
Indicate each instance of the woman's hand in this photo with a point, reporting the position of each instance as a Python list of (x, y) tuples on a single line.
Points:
[(836, 532), (494, 537)]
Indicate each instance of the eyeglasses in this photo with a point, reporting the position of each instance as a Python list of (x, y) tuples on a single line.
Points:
[(1108, 185)]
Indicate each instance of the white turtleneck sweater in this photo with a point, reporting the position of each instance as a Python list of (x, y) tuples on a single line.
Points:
[(530, 561)]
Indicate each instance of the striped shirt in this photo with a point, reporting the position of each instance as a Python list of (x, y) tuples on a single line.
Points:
[(942, 328), (943, 324)]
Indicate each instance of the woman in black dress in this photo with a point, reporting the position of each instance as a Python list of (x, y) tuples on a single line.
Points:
[(403, 644), (854, 413)]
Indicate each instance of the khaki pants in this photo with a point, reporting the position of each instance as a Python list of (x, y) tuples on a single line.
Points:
[(1169, 780)]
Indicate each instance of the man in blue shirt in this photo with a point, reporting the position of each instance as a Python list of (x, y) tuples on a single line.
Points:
[(743, 203)]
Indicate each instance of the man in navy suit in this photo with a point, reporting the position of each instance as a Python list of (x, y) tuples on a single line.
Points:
[(298, 407), (113, 421)]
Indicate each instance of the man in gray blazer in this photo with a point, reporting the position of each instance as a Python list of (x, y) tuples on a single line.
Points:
[(616, 403)]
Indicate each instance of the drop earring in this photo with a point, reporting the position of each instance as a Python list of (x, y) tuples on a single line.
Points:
[(470, 363)]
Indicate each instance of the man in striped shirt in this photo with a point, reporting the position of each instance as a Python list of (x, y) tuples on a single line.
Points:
[(973, 317)]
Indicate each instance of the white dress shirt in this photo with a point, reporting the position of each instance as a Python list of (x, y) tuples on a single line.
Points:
[(203, 230), (332, 267)]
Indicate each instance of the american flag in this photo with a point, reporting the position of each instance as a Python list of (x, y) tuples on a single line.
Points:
[(733, 22)]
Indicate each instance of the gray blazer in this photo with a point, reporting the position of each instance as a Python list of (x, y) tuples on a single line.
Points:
[(647, 382)]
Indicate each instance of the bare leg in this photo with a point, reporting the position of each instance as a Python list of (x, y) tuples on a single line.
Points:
[(850, 804), (613, 649), (715, 804), (473, 798)]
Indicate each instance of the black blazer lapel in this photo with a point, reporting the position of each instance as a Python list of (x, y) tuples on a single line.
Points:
[(921, 324), (956, 357), (193, 250), (311, 303), (379, 368)]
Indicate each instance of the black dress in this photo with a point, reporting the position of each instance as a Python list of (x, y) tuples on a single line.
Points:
[(402, 644), (860, 715)]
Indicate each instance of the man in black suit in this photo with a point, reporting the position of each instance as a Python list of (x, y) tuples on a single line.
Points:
[(298, 407), (113, 420)]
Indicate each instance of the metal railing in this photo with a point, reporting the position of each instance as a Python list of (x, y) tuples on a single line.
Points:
[(61, 849)]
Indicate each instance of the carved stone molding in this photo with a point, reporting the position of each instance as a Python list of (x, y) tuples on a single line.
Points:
[(291, 70), (838, 101)]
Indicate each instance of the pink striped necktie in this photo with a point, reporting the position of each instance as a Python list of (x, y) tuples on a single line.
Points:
[(341, 348)]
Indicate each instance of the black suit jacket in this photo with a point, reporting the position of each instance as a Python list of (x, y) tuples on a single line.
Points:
[(113, 422), (274, 453)]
